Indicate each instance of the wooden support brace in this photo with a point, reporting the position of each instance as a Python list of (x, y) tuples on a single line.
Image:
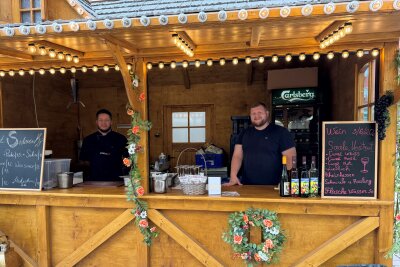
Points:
[(182, 238), (99, 238), (27, 259), (339, 242), (43, 242)]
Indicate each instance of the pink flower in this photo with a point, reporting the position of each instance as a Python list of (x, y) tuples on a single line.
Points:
[(237, 239), (269, 243), (130, 112), (267, 223), (256, 257), (143, 223), (245, 219), (152, 229), (398, 217), (127, 162), (140, 191)]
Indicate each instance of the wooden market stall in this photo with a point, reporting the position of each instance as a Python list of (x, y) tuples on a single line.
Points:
[(94, 226)]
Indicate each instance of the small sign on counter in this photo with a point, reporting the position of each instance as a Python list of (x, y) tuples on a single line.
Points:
[(214, 185)]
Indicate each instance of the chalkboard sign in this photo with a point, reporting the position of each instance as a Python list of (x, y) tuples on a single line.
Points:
[(349, 159), (21, 158)]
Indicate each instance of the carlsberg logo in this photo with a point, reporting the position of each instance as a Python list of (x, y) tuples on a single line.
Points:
[(293, 96)]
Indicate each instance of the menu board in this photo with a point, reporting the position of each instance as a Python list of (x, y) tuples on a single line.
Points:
[(21, 158), (349, 161)]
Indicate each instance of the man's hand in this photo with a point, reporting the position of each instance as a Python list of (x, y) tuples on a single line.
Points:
[(233, 181)]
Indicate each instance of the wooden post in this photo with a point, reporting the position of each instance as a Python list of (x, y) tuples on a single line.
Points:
[(388, 74), (43, 236)]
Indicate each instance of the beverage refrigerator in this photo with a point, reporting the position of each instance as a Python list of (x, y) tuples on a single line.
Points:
[(299, 110)]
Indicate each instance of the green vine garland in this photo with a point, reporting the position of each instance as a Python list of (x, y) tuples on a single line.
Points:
[(238, 232), (135, 189)]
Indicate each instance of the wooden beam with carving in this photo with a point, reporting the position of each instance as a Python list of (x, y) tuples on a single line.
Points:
[(183, 238), (255, 36), (6, 51), (96, 240), (339, 242), (186, 78), (121, 42), (61, 48)]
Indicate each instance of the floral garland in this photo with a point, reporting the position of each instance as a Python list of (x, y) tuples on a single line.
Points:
[(237, 236), (382, 116), (135, 189)]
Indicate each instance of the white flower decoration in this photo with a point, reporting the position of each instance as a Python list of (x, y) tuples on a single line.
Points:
[(163, 20), (135, 82), (182, 18), (91, 25), (329, 8), (264, 13), (41, 29), (375, 5), (25, 30), (307, 10), (285, 11), (202, 16), (131, 149), (74, 26), (145, 21), (242, 14), (396, 4), (57, 27), (126, 22), (72, 2), (222, 15), (352, 6), (9, 31), (109, 24), (143, 214)]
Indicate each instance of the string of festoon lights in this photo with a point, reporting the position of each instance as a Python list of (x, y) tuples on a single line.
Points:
[(261, 59), (197, 63)]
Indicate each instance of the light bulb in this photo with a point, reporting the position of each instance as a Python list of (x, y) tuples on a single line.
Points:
[(11, 73), (62, 70), (149, 66), (360, 53), (52, 53), (173, 65), (348, 27), (330, 55), (161, 65), (68, 57), (335, 36), (316, 56), (345, 54), (106, 68), (75, 59), (197, 63), (209, 62), (95, 68), (235, 61), (322, 45), (275, 58), (222, 61), (185, 64), (288, 57), (129, 66), (21, 72), (116, 68), (375, 52), (42, 71), (60, 55), (302, 56), (32, 48), (248, 60), (342, 32), (42, 51), (261, 59), (73, 70), (52, 70), (31, 71), (84, 69), (2, 73)]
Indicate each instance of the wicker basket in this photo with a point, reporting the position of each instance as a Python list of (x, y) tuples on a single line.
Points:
[(194, 189)]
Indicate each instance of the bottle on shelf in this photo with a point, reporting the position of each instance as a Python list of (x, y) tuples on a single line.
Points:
[(294, 179), (284, 186), (304, 179), (313, 178)]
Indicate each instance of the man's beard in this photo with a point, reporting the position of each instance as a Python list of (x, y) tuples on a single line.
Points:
[(259, 123), (104, 131)]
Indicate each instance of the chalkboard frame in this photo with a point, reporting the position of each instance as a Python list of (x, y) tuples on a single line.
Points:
[(323, 159), (43, 130)]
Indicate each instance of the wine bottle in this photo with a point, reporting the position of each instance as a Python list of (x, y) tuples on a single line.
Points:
[(284, 186), (313, 178), (294, 179), (304, 180)]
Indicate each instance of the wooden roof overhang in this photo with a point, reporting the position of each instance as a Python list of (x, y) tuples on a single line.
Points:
[(212, 39)]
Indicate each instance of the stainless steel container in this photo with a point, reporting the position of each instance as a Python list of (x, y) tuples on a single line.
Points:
[(160, 183), (65, 179)]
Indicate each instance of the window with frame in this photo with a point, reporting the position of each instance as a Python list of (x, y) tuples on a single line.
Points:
[(189, 127), (366, 92), (30, 11)]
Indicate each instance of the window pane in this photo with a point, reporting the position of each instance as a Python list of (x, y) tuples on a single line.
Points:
[(25, 4), (38, 16), (179, 119), (363, 114), (36, 3), (26, 17), (197, 119), (372, 113), (197, 135), (180, 135), (365, 86)]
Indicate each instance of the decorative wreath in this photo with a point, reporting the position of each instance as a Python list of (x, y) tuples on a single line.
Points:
[(238, 236)]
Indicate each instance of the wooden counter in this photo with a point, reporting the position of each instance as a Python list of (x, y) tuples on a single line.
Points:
[(94, 227)]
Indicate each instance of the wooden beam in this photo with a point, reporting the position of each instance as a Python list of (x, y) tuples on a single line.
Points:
[(43, 252), (339, 242), (186, 78), (6, 51), (96, 240), (328, 30), (183, 238), (60, 47), (255, 36), (28, 260), (187, 39), (122, 43)]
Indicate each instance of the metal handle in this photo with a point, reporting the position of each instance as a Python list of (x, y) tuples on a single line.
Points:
[(192, 148)]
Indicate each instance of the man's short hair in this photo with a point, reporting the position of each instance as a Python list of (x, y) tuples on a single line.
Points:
[(103, 111), (258, 104)]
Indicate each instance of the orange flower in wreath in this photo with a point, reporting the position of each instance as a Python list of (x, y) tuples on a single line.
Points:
[(237, 239), (143, 223), (130, 112), (140, 191), (142, 97), (135, 129), (127, 162), (257, 257)]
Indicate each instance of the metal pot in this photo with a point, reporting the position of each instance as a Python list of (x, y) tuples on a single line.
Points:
[(65, 179)]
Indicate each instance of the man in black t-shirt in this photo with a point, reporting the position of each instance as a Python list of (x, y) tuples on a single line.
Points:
[(259, 150), (104, 150)]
